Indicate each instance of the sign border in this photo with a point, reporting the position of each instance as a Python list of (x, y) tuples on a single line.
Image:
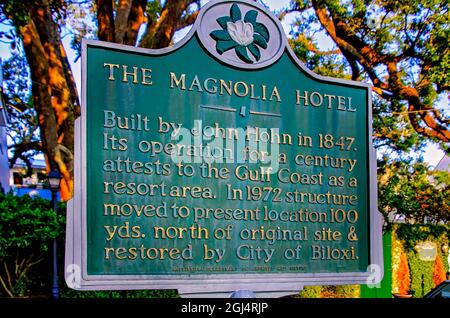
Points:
[(205, 284)]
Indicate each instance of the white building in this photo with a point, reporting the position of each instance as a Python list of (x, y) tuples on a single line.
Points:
[(4, 165), (37, 178)]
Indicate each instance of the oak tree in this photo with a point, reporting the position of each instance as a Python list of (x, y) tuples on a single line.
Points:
[(53, 90), (400, 47)]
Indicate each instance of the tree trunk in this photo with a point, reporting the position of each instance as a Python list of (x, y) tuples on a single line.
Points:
[(105, 20), (54, 92), (53, 88)]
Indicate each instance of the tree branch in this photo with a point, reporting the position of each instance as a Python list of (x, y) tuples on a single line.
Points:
[(159, 34), (121, 21), (354, 49), (135, 19), (7, 290), (8, 276), (186, 21), (105, 20)]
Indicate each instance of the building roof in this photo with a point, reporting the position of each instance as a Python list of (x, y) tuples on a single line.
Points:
[(444, 164), (36, 164)]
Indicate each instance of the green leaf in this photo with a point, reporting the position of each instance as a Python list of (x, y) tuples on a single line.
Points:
[(250, 17), (223, 22), (262, 30), (255, 51), (259, 40), (241, 52), (235, 13), (223, 46), (221, 35)]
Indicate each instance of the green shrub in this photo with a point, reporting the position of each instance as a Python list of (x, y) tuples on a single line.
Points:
[(310, 292), (70, 293), (348, 291), (421, 275), (28, 227), (422, 271), (339, 291)]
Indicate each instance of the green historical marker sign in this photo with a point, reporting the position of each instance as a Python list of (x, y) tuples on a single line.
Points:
[(221, 164)]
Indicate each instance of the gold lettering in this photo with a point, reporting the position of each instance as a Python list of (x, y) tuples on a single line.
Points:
[(276, 94), (236, 89), (176, 82), (316, 99), (108, 251), (228, 89), (213, 89), (111, 70), (126, 74), (146, 76), (350, 109), (119, 252), (330, 99), (252, 92), (341, 103), (304, 98), (196, 83)]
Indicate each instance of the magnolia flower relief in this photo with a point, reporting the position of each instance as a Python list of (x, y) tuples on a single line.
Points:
[(241, 32), (242, 35)]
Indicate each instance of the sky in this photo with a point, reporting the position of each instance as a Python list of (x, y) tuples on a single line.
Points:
[(432, 154)]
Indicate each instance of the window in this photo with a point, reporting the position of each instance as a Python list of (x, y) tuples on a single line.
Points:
[(18, 179)]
